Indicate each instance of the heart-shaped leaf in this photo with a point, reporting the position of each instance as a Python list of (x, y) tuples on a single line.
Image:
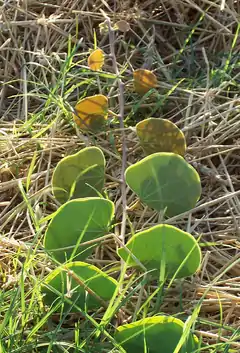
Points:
[(79, 175), (76, 222), (96, 60), (144, 80), (165, 181), (91, 113), (83, 284), (154, 335), (160, 135), (164, 248)]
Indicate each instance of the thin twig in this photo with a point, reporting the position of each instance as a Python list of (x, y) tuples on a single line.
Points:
[(121, 121)]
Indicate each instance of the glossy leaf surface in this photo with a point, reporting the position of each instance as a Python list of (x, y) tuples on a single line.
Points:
[(79, 175), (84, 285), (160, 135), (164, 248), (158, 333), (165, 181), (75, 222)]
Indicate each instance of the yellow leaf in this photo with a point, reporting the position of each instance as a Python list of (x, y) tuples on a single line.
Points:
[(144, 80), (96, 60), (91, 112), (160, 135)]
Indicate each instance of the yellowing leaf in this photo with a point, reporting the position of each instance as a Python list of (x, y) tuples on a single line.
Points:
[(144, 80), (91, 112), (103, 28), (96, 60), (160, 135)]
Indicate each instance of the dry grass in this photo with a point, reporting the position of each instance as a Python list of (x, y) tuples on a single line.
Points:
[(34, 43)]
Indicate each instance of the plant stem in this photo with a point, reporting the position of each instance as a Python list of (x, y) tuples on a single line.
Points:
[(121, 121)]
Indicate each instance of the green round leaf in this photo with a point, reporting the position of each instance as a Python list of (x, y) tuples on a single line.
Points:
[(76, 222), (80, 282), (160, 135), (79, 175), (165, 181), (156, 334), (164, 248)]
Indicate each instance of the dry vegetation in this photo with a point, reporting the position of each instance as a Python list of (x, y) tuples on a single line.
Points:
[(193, 48)]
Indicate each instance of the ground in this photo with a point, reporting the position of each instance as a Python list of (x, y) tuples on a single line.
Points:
[(193, 48)]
